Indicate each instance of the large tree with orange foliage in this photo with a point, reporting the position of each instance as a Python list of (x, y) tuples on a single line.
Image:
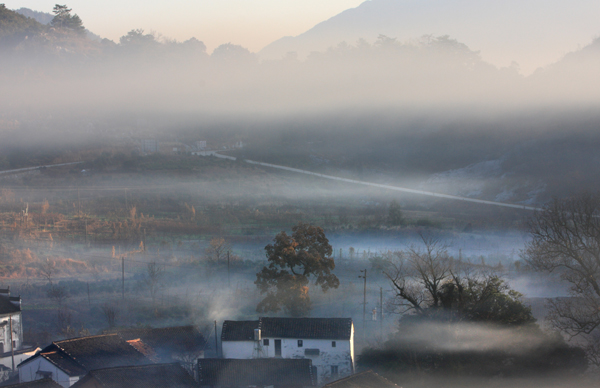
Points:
[(293, 262)]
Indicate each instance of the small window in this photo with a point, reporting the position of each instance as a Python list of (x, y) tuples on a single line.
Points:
[(14, 344), (333, 344), (266, 342), (334, 371), (300, 344)]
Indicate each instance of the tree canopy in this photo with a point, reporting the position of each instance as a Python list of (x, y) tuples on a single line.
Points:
[(293, 261), (64, 19)]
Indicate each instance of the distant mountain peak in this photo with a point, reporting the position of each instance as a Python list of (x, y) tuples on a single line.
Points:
[(503, 30)]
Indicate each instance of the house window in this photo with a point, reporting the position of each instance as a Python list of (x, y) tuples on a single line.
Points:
[(300, 344), (333, 344), (334, 371), (14, 344), (266, 342), (1, 347)]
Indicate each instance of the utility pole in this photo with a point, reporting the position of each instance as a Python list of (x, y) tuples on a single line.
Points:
[(228, 277), (216, 341), (364, 276), (381, 312), (123, 277), (12, 345)]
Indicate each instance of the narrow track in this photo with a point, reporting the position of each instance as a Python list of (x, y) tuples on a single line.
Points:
[(387, 187)]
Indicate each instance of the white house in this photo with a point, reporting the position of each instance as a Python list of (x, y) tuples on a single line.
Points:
[(12, 349), (67, 361), (328, 342), (10, 318)]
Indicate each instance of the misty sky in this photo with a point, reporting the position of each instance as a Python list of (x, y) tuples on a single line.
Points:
[(534, 33), (251, 23)]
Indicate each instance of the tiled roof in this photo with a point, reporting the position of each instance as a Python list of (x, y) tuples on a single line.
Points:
[(143, 348), (146, 376), (43, 383), (368, 379), (167, 340), (64, 362), (78, 355), (303, 328), (257, 372), (102, 351), (239, 330), (307, 328), (6, 307)]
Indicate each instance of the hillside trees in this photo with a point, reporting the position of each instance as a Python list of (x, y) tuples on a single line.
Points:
[(14, 28), (293, 261), (64, 20), (566, 240)]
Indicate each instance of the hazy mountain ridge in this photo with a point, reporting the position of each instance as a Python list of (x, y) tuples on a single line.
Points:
[(40, 17), (503, 31)]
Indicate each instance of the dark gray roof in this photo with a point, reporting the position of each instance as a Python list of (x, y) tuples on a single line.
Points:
[(307, 328), (256, 372), (145, 376), (368, 379), (239, 330), (43, 383), (302, 328), (79, 355), (6, 307), (167, 340)]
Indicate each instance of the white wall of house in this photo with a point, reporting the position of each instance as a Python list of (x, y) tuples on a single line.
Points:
[(238, 349), (28, 372), (19, 357), (340, 356), (17, 337)]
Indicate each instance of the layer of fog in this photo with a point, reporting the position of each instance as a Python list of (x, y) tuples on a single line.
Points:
[(142, 74)]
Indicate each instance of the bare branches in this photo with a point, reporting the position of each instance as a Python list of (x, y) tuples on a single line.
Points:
[(48, 269), (417, 274), (110, 314), (218, 249), (566, 240), (153, 280)]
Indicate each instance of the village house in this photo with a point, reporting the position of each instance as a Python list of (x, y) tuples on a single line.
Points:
[(142, 376), (258, 372), (327, 342), (12, 349), (67, 361)]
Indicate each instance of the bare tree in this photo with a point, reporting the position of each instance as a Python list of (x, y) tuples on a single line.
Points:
[(218, 249), (110, 314), (64, 324), (153, 280), (48, 269), (417, 275), (58, 294), (566, 240)]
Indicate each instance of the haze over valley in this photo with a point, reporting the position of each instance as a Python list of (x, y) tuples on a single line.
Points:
[(421, 177)]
